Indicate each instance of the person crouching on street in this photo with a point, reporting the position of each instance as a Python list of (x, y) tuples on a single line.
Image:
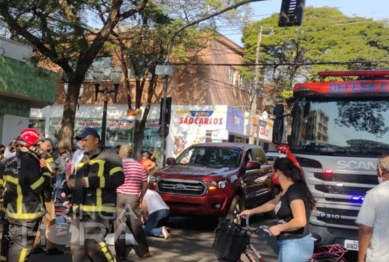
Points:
[(98, 175), (155, 214)]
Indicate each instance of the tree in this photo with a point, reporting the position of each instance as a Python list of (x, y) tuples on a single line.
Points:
[(327, 40), (60, 34), (155, 25)]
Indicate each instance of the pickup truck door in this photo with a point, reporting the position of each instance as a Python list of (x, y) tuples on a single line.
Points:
[(257, 181)]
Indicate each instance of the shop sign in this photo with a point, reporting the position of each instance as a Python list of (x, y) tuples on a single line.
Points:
[(201, 118), (125, 124), (88, 123), (152, 124), (263, 132), (55, 122), (235, 120)]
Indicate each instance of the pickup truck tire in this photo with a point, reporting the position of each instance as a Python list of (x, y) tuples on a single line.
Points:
[(236, 207)]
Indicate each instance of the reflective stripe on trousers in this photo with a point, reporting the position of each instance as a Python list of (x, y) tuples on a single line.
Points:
[(21, 237)]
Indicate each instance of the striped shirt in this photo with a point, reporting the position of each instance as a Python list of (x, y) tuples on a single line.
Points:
[(134, 176)]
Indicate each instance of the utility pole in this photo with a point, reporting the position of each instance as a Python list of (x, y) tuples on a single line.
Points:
[(255, 90)]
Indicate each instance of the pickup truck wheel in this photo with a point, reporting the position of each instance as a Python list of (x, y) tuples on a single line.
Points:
[(237, 206)]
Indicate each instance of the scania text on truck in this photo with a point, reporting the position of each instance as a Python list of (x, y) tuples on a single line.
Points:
[(338, 131)]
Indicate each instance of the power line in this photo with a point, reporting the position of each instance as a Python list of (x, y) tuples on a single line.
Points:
[(281, 64)]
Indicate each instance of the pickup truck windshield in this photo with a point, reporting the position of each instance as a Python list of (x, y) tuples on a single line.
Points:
[(210, 156), (357, 127)]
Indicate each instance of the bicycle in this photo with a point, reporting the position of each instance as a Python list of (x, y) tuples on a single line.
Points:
[(232, 241)]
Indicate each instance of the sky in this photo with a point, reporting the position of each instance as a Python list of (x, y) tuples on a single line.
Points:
[(376, 9)]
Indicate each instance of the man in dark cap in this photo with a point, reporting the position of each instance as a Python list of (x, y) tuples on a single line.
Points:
[(98, 175)]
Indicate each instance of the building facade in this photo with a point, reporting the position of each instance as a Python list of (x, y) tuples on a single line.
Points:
[(22, 87), (207, 103)]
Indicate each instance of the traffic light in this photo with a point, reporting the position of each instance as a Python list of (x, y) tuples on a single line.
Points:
[(291, 13), (167, 111)]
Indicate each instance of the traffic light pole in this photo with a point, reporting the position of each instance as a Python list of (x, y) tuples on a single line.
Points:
[(166, 69), (254, 94), (163, 122)]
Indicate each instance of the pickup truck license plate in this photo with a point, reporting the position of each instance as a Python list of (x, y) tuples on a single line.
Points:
[(351, 244)]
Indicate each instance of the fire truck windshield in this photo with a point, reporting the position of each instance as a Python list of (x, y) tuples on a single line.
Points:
[(350, 126)]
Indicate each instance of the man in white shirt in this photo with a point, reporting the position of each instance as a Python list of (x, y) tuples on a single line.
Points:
[(373, 234), (155, 214)]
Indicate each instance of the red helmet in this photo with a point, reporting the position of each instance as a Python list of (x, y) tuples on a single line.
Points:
[(29, 137)]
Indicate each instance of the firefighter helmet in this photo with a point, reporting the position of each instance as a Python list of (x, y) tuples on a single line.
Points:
[(29, 137)]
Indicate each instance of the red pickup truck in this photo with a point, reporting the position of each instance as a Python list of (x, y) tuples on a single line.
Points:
[(215, 179)]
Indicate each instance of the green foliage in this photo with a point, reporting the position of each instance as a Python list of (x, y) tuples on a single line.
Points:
[(62, 32), (327, 40), (285, 94)]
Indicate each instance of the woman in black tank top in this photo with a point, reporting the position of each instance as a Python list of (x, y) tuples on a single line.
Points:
[(292, 206)]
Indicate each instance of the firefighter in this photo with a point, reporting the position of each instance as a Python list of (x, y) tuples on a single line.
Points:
[(98, 175), (49, 168), (3, 219), (23, 197)]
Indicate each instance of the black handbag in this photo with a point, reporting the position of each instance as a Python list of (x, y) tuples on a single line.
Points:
[(230, 240)]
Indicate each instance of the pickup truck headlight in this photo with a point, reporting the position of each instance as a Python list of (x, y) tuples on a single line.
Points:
[(217, 184), (154, 179), (222, 184)]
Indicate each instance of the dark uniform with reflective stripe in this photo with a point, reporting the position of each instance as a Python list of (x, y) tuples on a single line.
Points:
[(49, 219), (95, 205), (3, 219), (24, 186)]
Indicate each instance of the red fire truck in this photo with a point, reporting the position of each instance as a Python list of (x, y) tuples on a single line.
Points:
[(339, 128)]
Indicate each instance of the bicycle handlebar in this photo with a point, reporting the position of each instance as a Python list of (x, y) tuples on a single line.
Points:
[(255, 229)]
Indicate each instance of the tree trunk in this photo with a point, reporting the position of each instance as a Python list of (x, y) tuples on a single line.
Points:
[(138, 134), (68, 117)]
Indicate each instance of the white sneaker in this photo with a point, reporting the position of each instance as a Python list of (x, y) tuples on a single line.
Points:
[(165, 233)]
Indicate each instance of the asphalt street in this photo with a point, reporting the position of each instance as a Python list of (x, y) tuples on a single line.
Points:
[(191, 240)]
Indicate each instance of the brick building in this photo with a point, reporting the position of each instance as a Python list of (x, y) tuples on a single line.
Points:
[(208, 103)]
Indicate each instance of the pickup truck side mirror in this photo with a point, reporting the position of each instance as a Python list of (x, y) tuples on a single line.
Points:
[(250, 165), (170, 161)]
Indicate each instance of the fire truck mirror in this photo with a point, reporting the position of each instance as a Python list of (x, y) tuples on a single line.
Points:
[(307, 109), (278, 125)]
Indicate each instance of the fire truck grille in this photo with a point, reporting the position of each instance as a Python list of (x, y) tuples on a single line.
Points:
[(182, 187), (342, 190), (348, 178), (335, 216)]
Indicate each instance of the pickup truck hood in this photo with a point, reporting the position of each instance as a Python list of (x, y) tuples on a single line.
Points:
[(191, 170)]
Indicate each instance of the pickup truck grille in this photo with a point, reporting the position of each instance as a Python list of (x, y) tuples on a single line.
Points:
[(182, 187)]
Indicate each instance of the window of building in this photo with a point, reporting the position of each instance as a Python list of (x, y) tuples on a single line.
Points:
[(242, 82), (131, 73), (38, 124), (232, 76)]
